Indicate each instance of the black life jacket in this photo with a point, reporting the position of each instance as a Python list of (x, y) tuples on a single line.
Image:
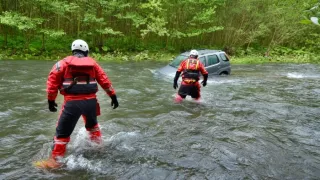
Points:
[(192, 70)]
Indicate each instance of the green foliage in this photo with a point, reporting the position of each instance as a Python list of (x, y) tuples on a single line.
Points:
[(142, 56), (109, 31), (53, 33), (154, 19), (156, 25), (19, 21), (137, 19), (113, 28), (275, 59)]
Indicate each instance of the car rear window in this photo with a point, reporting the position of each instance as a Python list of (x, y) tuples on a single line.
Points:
[(212, 59), (176, 62), (224, 57)]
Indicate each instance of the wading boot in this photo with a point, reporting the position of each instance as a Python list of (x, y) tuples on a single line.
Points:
[(58, 152), (95, 134), (178, 99)]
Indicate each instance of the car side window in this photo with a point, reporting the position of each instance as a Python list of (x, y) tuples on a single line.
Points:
[(203, 60), (224, 57), (212, 59)]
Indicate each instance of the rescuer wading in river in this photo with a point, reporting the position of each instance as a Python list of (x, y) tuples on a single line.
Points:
[(77, 78), (190, 69)]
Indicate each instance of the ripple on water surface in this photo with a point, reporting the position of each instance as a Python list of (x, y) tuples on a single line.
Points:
[(259, 123)]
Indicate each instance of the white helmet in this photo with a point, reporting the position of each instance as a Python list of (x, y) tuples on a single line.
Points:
[(79, 45), (193, 53)]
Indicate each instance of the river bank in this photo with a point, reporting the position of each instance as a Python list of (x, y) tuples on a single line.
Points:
[(163, 56)]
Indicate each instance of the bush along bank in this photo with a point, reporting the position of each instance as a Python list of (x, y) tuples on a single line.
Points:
[(255, 59), (116, 56), (277, 55), (166, 56)]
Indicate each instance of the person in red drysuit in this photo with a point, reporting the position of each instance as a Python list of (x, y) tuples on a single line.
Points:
[(190, 69), (76, 78)]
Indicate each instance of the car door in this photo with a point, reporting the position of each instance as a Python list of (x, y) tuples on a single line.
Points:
[(213, 64)]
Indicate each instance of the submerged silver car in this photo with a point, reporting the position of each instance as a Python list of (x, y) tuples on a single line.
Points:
[(216, 62)]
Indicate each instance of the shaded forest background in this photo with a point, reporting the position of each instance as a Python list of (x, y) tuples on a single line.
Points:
[(240, 27)]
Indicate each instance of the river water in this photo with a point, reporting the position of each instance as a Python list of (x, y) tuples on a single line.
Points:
[(262, 122)]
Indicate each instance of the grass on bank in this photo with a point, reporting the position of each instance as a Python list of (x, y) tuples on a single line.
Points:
[(121, 57), (116, 56), (254, 59)]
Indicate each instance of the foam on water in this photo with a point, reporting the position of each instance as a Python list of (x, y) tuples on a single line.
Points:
[(5, 113), (224, 81), (153, 71), (79, 162), (296, 75), (13, 81), (133, 91), (122, 140)]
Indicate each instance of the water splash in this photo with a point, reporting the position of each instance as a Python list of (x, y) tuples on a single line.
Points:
[(85, 154), (74, 162), (44, 152)]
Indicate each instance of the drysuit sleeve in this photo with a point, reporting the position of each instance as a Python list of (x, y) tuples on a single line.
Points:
[(55, 80), (181, 66), (175, 80), (205, 77), (103, 80)]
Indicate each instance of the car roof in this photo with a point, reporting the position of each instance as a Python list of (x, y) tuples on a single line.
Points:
[(202, 52)]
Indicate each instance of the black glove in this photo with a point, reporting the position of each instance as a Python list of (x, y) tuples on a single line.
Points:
[(204, 83), (175, 80), (205, 78), (52, 106), (114, 101), (175, 85)]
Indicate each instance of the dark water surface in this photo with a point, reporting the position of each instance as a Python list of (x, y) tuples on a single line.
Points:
[(262, 122)]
